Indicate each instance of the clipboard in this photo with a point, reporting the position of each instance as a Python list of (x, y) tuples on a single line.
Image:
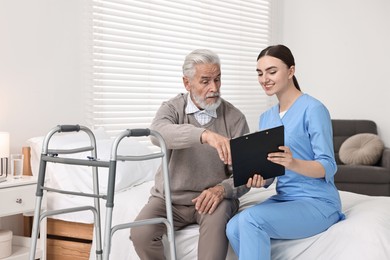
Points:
[(249, 155)]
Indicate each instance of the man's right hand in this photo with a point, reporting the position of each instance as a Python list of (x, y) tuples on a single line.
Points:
[(256, 181), (220, 143)]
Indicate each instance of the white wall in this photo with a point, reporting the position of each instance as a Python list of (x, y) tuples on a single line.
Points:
[(342, 55), (41, 67), (41, 71)]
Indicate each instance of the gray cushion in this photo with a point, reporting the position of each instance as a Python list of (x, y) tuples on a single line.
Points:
[(361, 149)]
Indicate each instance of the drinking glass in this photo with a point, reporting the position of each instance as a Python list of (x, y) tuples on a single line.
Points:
[(17, 165)]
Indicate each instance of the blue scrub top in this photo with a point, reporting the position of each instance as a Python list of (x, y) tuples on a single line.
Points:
[(308, 134)]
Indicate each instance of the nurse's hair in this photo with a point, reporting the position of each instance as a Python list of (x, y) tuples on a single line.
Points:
[(200, 56), (282, 53)]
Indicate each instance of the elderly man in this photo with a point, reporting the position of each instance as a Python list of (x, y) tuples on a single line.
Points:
[(196, 127)]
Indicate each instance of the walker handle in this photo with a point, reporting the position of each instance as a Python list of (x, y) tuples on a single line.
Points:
[(138, 132), (69, 128)]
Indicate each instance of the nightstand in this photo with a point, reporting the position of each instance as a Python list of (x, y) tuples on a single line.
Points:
[(17, 196)]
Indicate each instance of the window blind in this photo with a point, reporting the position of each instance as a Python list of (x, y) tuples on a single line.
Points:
[(138, 48)]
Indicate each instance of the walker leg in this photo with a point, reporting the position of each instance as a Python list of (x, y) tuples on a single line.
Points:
[(107, 234), (35, 229)]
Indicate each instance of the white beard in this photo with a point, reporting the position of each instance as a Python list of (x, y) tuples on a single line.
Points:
[(202, 103)]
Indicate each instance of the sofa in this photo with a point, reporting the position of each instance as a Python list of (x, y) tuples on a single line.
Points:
[(370, 179)]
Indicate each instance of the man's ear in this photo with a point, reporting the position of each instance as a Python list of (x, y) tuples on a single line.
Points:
[(186, 82), (291, 72)]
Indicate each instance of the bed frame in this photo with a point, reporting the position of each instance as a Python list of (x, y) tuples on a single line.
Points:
[(65, 240)]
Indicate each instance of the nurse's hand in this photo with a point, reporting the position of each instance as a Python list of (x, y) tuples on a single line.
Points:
[(256, 181), (284, 158)]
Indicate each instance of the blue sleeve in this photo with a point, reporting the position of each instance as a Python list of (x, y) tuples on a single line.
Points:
[(319, 126)]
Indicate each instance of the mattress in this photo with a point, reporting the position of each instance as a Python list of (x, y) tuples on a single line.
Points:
[(364, 234)]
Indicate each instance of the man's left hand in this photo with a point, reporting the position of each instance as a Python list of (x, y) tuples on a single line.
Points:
[(209, 199)]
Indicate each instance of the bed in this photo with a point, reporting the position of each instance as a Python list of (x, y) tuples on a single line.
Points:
[(365, 234)]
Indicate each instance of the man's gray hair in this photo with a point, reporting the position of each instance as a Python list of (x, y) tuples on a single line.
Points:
[(200, 56)]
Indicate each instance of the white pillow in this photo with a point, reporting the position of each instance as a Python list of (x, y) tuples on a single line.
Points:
[(79, 178), (361, 149)]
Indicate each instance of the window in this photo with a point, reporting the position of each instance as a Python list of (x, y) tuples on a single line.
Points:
[(138, 47)]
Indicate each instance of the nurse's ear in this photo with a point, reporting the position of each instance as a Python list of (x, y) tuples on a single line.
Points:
[(291, 72)]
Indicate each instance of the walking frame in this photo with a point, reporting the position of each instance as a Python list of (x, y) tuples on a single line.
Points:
[(54, 156)]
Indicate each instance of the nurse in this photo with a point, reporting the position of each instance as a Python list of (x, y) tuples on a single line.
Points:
[(306, 201)]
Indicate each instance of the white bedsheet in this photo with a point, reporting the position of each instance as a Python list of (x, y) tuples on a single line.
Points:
[(365, 234)]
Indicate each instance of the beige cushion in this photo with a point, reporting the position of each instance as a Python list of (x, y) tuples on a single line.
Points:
[(361, 149)]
